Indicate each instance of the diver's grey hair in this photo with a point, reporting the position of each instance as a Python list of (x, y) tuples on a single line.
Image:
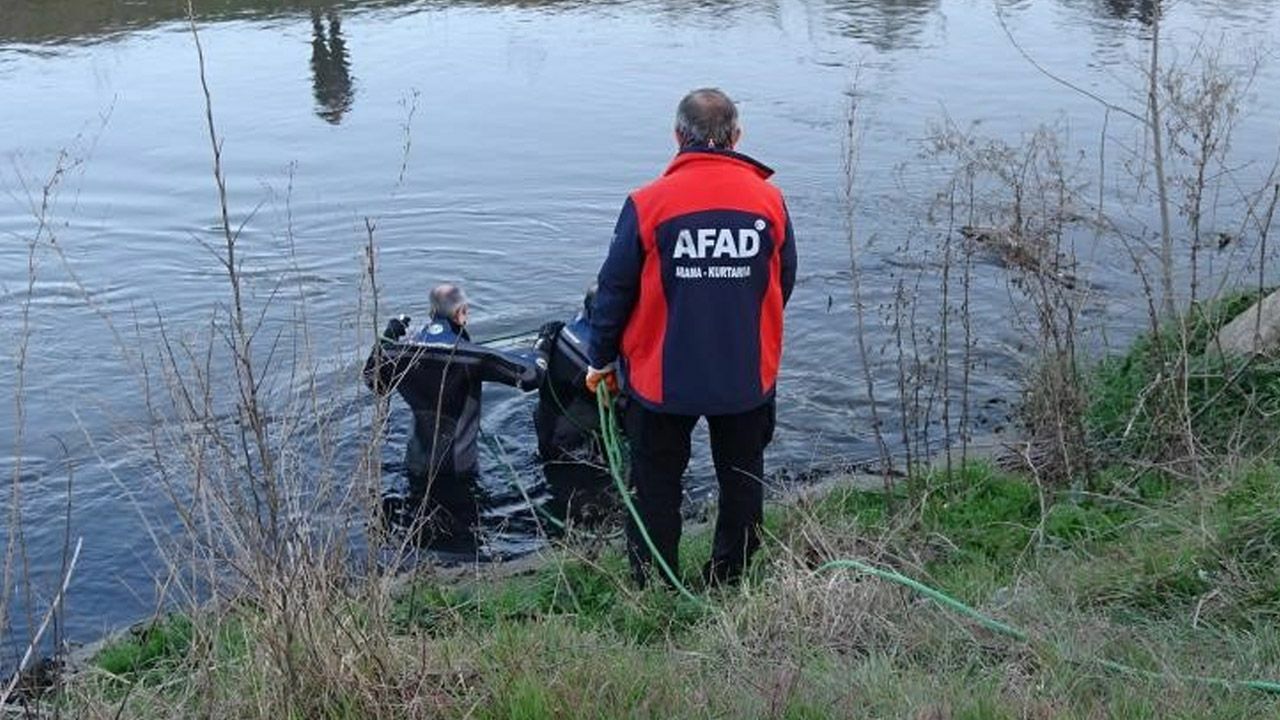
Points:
[(707, 117), (446, 299)]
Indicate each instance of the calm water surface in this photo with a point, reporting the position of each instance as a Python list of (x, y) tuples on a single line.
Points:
[(526, 125)]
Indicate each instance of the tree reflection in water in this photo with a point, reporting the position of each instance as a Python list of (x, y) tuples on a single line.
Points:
[(1141, 10), (330, 67), (886, 25)]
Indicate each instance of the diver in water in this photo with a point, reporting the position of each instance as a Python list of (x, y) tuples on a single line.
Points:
[(439, 372), (567, 421)]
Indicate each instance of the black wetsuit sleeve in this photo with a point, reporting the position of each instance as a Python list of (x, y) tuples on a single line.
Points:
[(618, 287), (788, 260), (391, 361), (516, 370)]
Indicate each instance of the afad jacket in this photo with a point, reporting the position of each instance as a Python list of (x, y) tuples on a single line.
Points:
[(690, 297)]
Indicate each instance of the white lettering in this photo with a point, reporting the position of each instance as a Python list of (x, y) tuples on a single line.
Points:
[(687, 272), (725, 246), (717, 243), (729, 272), (684, 246), (706, 241)]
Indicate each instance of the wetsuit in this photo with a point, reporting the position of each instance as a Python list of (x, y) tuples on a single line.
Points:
[(567, 422), (439, 373)]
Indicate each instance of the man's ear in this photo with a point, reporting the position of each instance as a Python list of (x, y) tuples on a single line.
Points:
[(679, 138), (737, 135)]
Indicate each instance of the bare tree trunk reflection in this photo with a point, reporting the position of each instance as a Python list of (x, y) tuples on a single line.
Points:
[(330, 67)]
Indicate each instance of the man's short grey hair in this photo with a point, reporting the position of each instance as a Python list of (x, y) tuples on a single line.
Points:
[(446, 299), (707, 117)]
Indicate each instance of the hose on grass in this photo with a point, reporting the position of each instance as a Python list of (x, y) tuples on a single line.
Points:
[(937, 596), (1009, 631), (613, 452)]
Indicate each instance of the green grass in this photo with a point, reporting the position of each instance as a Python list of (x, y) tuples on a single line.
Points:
[(1180, 583), (1233, 402), (1108, 579), (1140, 568), (592, 594), (154, 653), (151, 647)]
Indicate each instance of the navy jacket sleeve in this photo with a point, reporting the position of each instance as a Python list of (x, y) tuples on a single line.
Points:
[(618, 286), (788, 261)]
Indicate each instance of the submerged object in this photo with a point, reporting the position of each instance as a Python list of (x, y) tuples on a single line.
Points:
[(1016, 251)]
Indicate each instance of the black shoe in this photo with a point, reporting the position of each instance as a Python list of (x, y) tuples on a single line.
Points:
[(721, 574)]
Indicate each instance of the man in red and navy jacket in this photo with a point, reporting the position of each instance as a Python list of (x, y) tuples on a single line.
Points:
[(688, 316)]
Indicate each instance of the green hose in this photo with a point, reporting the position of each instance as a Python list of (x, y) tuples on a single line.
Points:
[(612, 443), (935, 595), (613, 453), (1009, 631)]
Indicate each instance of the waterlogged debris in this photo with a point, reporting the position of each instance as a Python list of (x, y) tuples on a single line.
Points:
[(1017, 251)]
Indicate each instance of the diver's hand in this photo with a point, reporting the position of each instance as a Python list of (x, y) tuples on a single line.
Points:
[(608, 375), (397, 327), (547, 338), (545, 343), (548, 332)]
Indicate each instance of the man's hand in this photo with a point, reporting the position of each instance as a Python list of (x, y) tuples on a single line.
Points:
[(397, 327), (608, 375)]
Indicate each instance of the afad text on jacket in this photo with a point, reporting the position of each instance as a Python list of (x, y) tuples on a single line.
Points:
[(691, 295)]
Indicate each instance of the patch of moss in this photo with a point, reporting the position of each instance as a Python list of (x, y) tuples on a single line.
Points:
[(164, 642)]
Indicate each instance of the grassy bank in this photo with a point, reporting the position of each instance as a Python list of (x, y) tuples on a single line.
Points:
[(1178, 583), (1132, 584), (1138, 407)]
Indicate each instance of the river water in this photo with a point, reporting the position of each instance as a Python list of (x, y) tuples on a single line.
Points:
[(492, 144)]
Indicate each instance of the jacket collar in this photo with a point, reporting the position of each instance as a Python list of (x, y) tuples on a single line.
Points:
[(447, 325), (690, 155)]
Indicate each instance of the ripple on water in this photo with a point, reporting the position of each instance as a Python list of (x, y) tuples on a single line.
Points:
[(55, 295)]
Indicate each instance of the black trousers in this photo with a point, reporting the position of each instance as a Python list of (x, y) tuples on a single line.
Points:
[(659, 455)]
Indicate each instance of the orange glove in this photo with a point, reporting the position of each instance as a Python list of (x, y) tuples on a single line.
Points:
[(608, 375)]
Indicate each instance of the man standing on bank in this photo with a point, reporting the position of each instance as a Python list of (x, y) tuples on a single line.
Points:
[(688, 322)]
